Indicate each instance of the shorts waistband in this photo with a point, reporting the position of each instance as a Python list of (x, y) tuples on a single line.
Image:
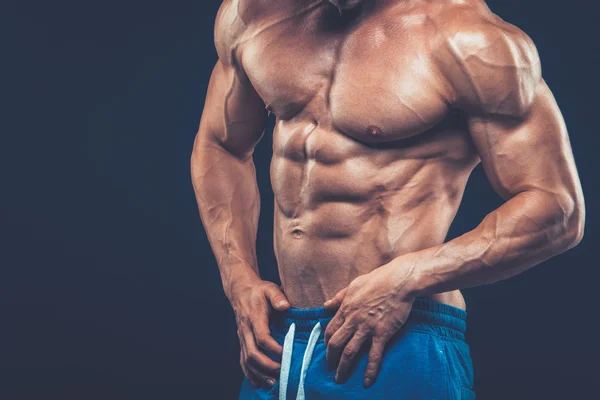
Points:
[(426, 315)]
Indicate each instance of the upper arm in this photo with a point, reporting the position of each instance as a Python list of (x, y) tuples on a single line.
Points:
[(234, 115), (513, 118)]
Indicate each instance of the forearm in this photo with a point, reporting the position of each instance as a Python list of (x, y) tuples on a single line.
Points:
[(229, 205), (526, 230)]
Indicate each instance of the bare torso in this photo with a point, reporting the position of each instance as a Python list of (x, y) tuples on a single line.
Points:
[(383, 108), (369, 162)]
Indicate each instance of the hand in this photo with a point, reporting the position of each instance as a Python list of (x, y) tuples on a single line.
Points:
[(252, 302), (372, 308)]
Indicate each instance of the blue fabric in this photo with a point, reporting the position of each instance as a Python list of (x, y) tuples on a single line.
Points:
[(427, 360)]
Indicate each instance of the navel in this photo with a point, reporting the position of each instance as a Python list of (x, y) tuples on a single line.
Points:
[(297, 233)]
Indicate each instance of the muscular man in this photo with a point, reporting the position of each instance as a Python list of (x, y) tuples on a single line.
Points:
[(383, 108)]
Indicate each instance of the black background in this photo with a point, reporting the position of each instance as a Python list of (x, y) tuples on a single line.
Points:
[(108, 288)]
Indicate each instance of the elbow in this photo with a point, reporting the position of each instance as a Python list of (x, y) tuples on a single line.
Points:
[(575, 224), (575, 233), (198, 157), (205, 145), (195, 164)]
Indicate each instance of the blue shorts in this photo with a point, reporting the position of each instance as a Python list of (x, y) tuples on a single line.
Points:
[(428, 359)]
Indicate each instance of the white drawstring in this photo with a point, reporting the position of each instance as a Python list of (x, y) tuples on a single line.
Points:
[(310, 348), (286, 360)]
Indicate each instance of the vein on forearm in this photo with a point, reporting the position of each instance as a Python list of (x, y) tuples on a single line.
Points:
[(529, 228), (229, 208)]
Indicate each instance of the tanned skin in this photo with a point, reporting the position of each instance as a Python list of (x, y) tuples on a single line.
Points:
[(383, 108)]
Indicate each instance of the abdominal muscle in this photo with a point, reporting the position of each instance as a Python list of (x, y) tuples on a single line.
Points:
[(343, 209)]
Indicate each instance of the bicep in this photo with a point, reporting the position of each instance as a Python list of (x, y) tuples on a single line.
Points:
[(530, 151), (234, 115)]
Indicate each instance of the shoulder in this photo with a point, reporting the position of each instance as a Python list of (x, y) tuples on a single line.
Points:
[(491, 65), (229, 28), (232, 24)]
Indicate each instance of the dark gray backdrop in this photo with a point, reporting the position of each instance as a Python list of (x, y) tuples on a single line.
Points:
[(108, 288)]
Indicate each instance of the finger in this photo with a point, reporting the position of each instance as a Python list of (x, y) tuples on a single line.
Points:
[(254, 376), (336, 323), (337, 343), (261, 378), (348, 356), (242, 353), (374, 362), (336, 300), (263, 337), (257, 358), (277, 298), (249, 375)]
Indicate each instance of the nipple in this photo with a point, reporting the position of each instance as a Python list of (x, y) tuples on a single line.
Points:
[(374, 130)]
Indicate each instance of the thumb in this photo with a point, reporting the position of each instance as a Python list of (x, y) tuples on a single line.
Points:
[(336, 301), (277, 298)]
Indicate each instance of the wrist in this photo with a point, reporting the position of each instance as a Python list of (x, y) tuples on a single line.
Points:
[(416, 283), (412, 278), (239, 284)]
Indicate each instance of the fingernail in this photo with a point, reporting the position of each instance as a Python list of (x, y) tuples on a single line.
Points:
[(271, 382), (367, 382), (282, 303), (327, 303), (337, 378)]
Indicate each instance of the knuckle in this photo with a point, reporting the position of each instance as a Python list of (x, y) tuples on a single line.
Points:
[(350, 316), (371, 368), (252, 356), (261, 344), (361, 332), (350, 326), (378, 340), (254, 321), (349, 351), (242, 319), (261, 340)]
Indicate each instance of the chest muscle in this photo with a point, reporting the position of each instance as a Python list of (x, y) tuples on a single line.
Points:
[(375, 83)]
